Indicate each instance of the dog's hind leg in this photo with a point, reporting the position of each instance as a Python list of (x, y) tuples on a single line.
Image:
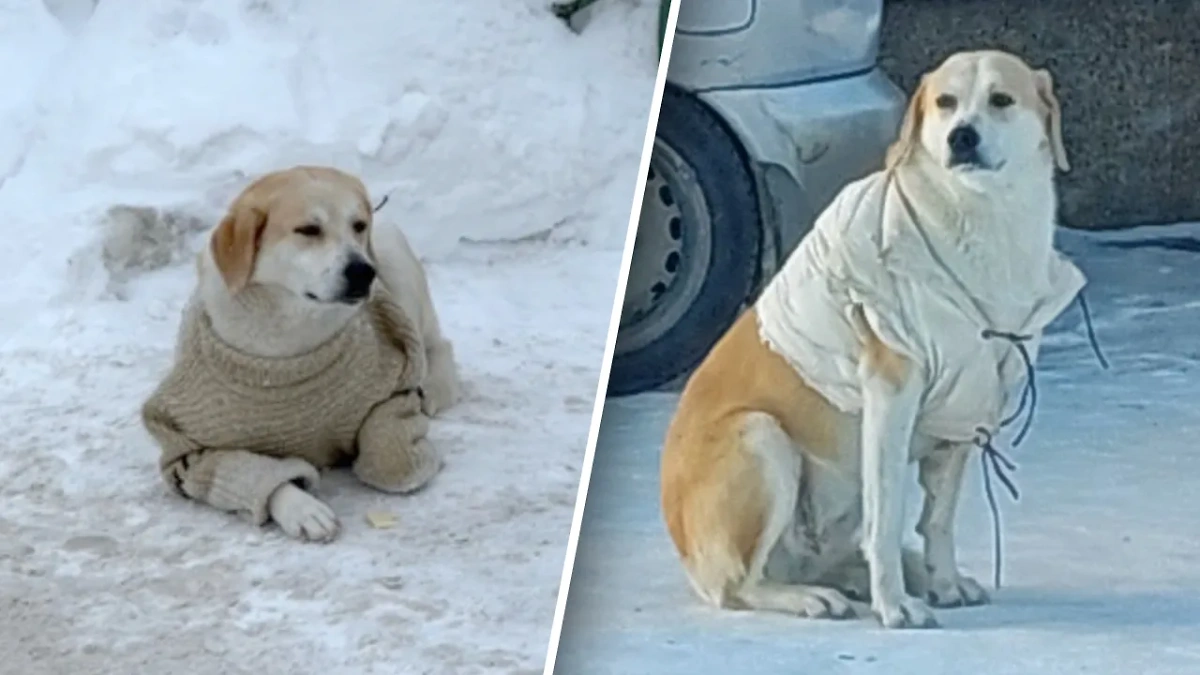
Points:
[(441, 387), (731, 524), (815, 602), (404, 277)]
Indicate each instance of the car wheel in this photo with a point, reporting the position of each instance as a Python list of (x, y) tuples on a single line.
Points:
[(696, 254)]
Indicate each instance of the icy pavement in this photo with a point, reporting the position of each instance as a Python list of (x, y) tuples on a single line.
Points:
[(1102, 554), (103, 572)]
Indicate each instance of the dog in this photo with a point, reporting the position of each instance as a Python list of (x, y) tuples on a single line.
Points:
[(311, 341), (890, 336)]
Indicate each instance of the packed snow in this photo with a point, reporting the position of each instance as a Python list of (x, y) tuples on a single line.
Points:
[(508, 146), (1101, 555)]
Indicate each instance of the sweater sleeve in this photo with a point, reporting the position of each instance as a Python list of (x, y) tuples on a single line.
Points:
[(393, 453), (230, 480)]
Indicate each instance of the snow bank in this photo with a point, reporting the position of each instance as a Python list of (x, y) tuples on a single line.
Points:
[(484, 119)]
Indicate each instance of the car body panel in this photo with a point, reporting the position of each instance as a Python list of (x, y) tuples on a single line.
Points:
[(770, 43), (795, 84), (805, 142), (715, 18)]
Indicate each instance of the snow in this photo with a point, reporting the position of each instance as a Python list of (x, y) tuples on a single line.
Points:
[(508, 146), (484, 120), (1101, 555)]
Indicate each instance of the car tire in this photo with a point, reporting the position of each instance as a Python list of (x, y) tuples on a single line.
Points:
[(708, 248)]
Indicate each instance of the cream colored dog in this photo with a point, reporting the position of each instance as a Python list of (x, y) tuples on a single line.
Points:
[(311, 340), (319, 248), (890, 336)]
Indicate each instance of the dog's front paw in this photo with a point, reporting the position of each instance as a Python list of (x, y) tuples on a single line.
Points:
[(956, 591), (399, 471), (301, 515), (907, 612)]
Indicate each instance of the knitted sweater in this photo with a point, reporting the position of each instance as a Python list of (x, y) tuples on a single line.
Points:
[(233, 427), (869, 250)]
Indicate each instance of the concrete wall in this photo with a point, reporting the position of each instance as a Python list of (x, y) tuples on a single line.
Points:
[(1128, 76)]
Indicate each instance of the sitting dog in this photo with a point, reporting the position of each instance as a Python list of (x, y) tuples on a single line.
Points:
[(893, 334), (311, 341)]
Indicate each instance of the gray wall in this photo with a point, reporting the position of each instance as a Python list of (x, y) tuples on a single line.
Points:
[(1128, 76)]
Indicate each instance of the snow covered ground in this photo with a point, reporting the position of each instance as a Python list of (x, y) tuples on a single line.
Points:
[(1102, 555), (509, 147), (102, 571)]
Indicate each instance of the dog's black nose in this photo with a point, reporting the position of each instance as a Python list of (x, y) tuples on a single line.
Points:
[(359, 275), (963, 140)]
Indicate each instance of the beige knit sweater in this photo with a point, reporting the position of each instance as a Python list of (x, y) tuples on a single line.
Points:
[(234, 427)]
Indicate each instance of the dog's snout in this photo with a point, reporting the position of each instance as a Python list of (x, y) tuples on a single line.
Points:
[(963, 140), (359, 275)]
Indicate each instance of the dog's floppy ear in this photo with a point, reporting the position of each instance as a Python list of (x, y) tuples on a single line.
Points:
[(1045, 90), (910, 128), (235, 245)]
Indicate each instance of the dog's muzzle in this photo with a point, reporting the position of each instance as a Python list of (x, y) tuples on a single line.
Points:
[(964, 147), (359, 275)]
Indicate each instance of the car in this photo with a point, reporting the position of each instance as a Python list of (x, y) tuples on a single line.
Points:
[(771, 106)]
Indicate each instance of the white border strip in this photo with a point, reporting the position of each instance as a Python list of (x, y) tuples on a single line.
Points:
[(614, 321)]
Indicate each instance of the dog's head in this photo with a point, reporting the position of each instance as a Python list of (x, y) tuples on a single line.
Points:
[(305, 230), (983, 112)]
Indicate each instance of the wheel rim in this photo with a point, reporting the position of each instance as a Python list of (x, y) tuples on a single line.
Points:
[(671, 251)]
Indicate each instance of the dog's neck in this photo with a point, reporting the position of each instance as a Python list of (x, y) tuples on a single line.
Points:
[(269, 322), (999, 224)]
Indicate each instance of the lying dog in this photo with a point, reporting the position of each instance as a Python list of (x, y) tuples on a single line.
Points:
[(292, 359), (885, 339)]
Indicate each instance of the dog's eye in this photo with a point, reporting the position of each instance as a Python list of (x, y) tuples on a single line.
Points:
[(309, 230), (1000, 100), (946, 102), (360, 226)]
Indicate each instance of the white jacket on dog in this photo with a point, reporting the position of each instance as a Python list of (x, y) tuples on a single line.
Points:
[(871, 249)]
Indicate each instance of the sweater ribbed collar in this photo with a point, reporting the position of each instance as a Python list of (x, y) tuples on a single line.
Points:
[(265, 372)]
